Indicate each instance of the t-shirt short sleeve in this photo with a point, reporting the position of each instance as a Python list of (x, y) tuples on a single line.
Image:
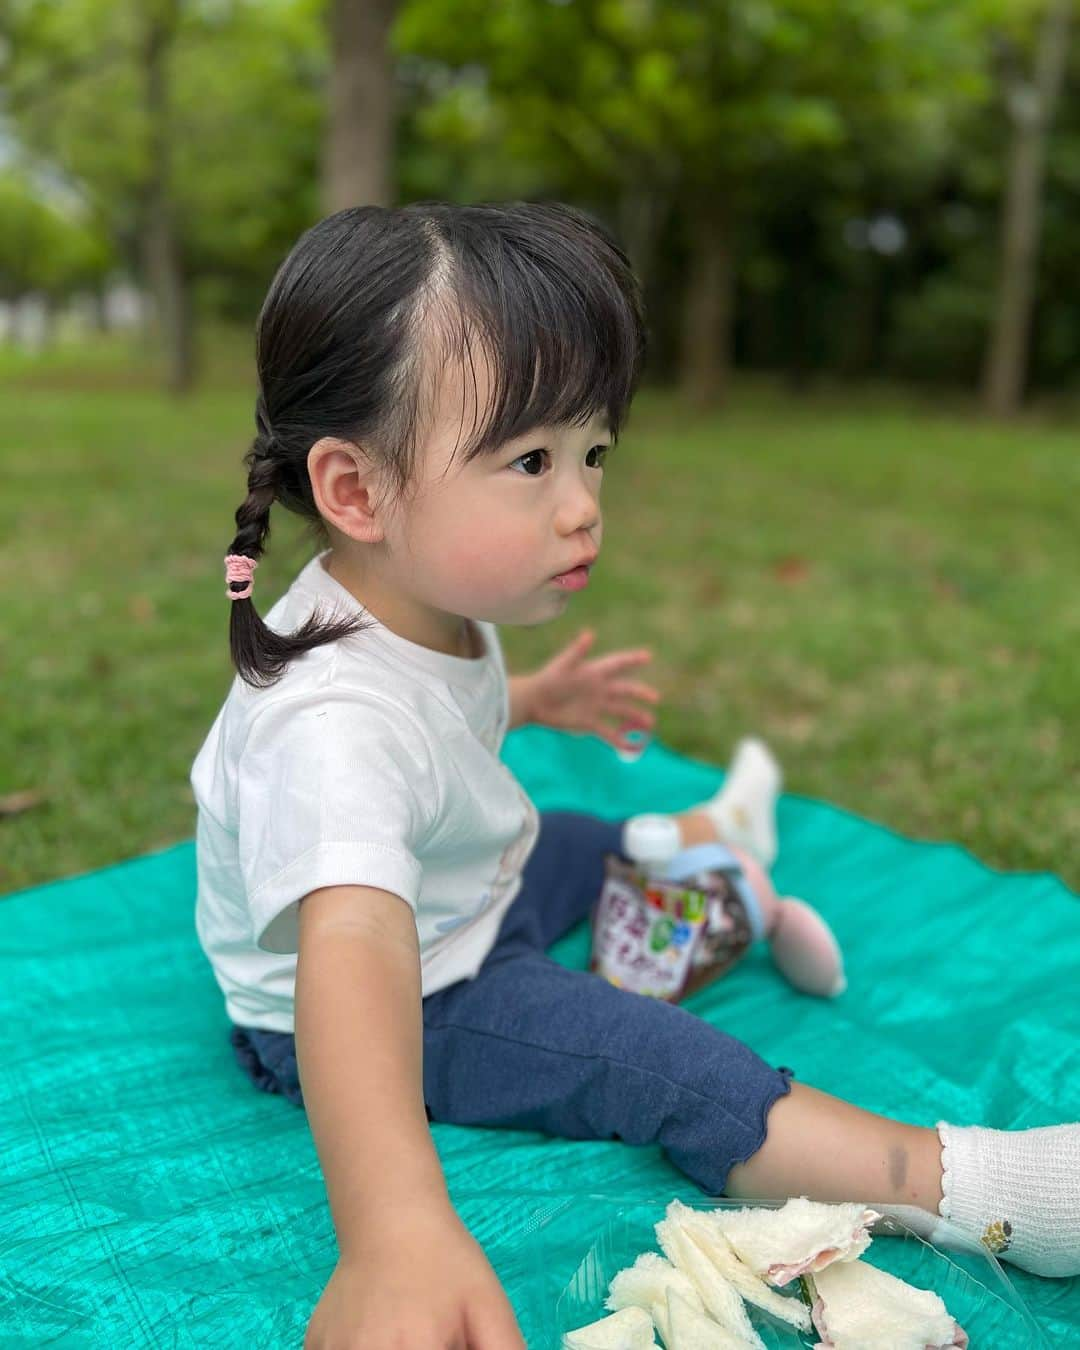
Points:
[(330, 791)]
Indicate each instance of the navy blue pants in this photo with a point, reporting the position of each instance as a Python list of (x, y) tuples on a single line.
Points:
[(531, 1045)]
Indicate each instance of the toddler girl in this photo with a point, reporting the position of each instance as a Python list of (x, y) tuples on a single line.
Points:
[(440, 392)]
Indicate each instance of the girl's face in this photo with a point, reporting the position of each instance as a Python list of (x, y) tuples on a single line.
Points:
[(483, 540)]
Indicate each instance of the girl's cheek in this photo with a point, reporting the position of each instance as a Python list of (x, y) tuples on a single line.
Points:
[(474, 556)]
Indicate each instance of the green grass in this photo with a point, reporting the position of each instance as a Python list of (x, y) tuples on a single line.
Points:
[(885, 591)]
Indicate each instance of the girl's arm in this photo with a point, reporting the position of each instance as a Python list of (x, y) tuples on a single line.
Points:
[(359, 1046), (359, 1038), (521, 700)]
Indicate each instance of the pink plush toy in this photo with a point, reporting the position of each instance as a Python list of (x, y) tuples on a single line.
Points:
[(801, 943)]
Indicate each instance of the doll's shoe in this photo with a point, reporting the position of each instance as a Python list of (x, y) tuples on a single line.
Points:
[(805, 951)]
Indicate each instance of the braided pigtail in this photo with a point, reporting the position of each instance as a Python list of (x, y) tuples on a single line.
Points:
[(259, 653)]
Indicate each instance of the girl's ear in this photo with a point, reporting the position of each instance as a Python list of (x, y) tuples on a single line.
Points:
[(345, 485)]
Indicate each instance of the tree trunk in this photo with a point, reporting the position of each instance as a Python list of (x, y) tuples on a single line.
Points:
[(800, 241), (161, 250), (1030, 106), (708, 311), (359, 146), (861, 327), (641, 212)]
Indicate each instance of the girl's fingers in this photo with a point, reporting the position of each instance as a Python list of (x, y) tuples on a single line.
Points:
[(612, 734), (634, 689), (615, 661), (629, 713)]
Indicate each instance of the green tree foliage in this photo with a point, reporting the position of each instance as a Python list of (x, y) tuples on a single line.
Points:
[(44, 249), (742, 149), (245, 119), (719, 108)]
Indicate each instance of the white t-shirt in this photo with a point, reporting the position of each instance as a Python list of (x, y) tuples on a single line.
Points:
[(373, 761)]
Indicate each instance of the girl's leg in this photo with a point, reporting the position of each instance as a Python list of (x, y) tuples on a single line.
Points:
[(533, 1045), (1016, 1191), (529, 1044), (867, 1155)]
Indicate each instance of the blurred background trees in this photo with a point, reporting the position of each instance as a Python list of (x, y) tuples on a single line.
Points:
[(827, 202), (863, 188)]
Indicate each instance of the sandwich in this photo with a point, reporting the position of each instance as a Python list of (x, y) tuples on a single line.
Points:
[(800, 1238), (859, 1307), (689, 1329), (646, 1284), (629, 1329), (708, 1237), (715, 1259), (720, 1298)]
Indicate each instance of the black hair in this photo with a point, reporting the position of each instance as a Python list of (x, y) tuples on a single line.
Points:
[(342, 350)]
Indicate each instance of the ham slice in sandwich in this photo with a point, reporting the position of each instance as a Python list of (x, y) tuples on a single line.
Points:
[(799, 1238), (859, 1307)]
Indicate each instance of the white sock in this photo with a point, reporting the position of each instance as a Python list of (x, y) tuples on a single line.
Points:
[(1016, 1191), (744, 809)]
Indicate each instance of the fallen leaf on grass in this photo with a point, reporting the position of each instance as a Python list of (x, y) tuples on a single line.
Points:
[(791, 570)]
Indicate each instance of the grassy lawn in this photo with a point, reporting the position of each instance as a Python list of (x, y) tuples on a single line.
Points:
[(885, 589)]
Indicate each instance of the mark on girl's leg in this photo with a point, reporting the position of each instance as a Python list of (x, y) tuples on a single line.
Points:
[(898, 1167)]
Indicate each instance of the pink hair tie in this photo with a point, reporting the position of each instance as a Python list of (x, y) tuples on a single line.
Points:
[(239, 568)]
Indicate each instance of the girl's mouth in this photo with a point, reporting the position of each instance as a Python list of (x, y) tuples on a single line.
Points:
[(575, 580)]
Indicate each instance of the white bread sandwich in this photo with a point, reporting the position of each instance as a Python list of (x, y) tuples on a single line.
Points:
[(801, 1237), (646, 1284), (630, 1329), (859, 1307), (712, 1242), (720, 1298), (689, 1329)]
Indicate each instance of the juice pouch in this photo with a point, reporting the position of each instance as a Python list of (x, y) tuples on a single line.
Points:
[(667, 938)]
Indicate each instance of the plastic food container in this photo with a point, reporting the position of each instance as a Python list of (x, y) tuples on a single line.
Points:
[(575, 1245)]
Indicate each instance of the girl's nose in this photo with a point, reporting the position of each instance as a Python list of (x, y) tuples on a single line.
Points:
[(580, 510)]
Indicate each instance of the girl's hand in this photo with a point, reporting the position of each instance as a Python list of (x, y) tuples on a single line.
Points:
[(578, 695), (419, 1279)]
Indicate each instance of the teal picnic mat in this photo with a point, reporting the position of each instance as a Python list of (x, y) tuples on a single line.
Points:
[(151, 1197)]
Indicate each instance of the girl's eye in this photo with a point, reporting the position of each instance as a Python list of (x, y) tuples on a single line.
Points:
[(535, 454)]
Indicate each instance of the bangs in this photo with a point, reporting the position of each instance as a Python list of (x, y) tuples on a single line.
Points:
[(550, 304)]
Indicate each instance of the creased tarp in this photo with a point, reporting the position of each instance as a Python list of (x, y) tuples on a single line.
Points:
[(149, 1196)]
